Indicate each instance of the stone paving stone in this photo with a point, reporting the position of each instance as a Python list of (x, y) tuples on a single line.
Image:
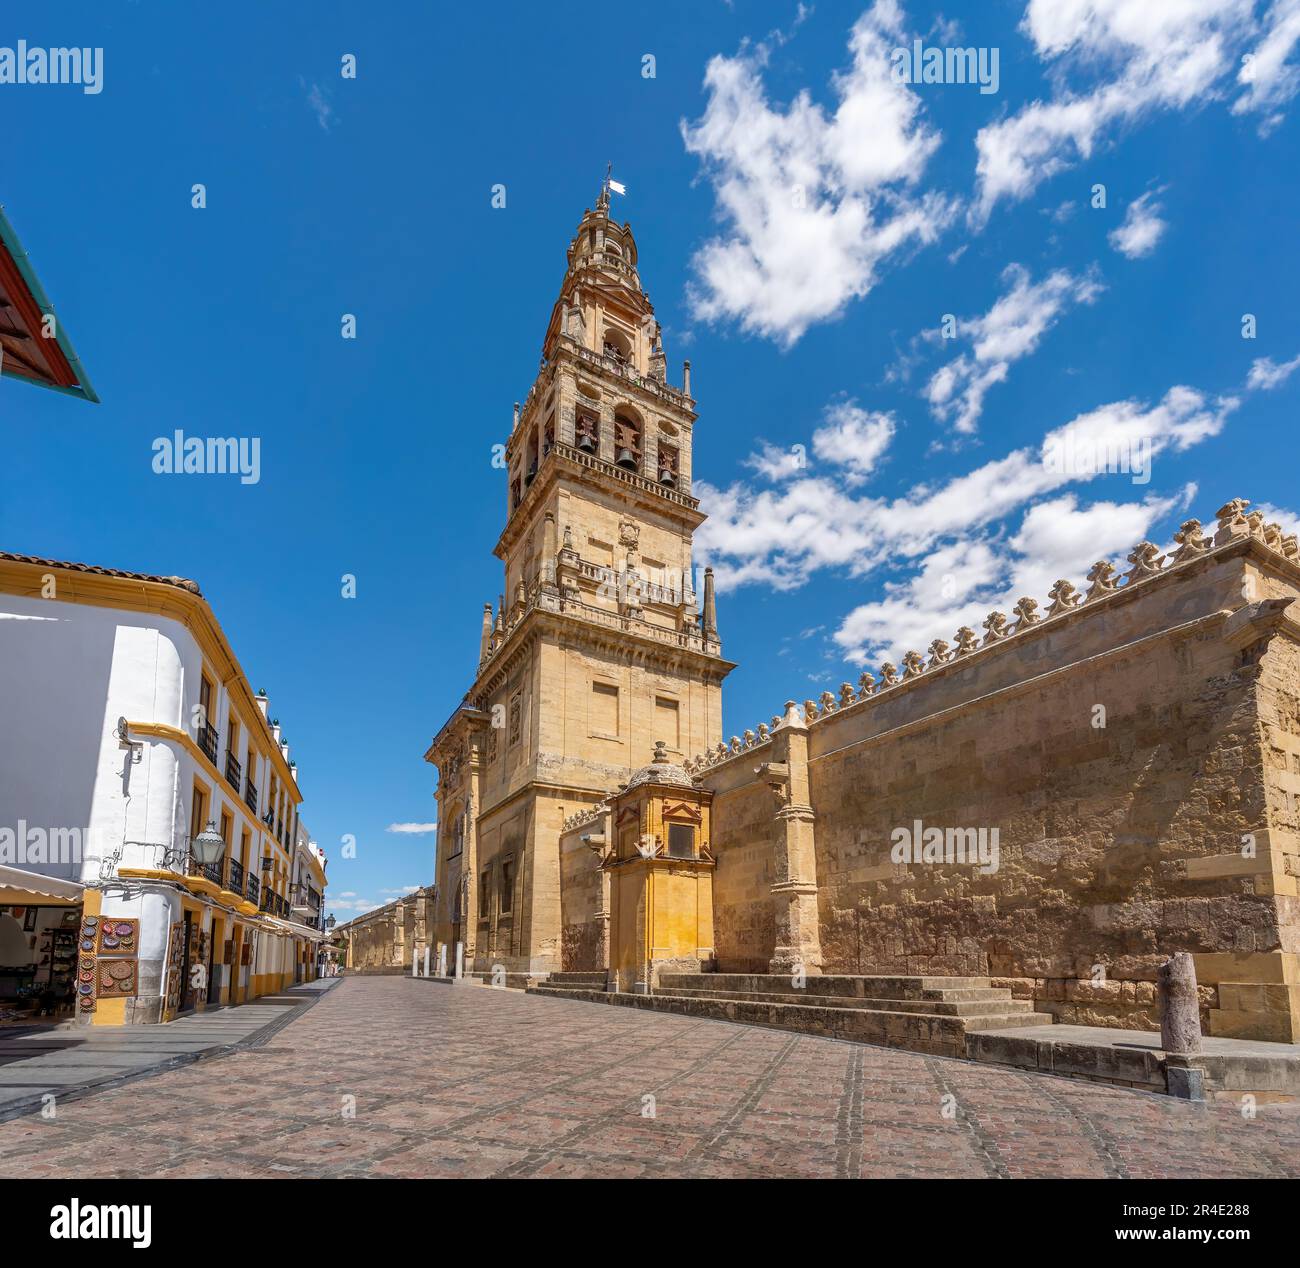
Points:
[(472, 1082)]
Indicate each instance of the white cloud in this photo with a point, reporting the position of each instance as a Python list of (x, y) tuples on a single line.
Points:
[(318, 102), (1145, 56), (1267, 374), (1010, 330), (775, 464), (1142, 228), (853, 439), (415, 829), (961, 582), (811, 204), (397, 893), (781, 537), (1269, 77)]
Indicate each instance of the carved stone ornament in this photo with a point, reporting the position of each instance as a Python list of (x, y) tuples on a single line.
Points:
[(1102, 578), (1026, 611), (1191, 542), (995, 627), (1064, 597), (1146, 560)]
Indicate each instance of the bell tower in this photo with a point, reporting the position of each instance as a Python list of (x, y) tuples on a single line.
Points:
[(599, 647)]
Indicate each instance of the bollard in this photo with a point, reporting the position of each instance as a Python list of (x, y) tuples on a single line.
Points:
[(1180, 1026)]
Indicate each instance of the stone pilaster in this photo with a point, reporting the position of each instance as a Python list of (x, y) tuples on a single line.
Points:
[(794, 881)]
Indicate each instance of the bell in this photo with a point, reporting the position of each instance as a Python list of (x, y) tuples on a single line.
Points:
[(626, 458), (587, 442), (666, 477)]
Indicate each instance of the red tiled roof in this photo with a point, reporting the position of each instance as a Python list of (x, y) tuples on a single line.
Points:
[(181, 583)]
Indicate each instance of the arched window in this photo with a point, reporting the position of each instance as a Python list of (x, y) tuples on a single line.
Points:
[(617, 346), (627, 440)]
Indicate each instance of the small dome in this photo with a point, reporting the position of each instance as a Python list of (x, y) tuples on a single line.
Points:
[(660, 771)]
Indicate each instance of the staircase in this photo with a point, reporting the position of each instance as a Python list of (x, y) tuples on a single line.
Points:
[(922, 1014)]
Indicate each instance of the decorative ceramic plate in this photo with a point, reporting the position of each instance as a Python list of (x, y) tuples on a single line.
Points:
[(87, 988), (87, 945), (108, 940), (87, 962), (120, 970), (124, 929), (86, 976), (88, 1003), (90, 922)]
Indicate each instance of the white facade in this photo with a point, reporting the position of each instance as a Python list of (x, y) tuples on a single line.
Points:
[(84, 798)]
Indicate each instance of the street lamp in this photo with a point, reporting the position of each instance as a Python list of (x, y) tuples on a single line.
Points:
[(208, 846), (330, 922)]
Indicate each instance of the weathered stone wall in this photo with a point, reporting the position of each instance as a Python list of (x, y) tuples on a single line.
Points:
[(584, 907), (744, 838), (1123, 751), (388, 936)]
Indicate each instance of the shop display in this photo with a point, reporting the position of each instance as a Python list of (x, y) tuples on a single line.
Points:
[(117, 937), (172, 1000)]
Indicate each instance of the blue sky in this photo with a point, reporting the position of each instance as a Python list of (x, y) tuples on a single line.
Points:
[(805, 223)]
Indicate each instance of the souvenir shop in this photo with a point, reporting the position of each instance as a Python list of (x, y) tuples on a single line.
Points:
[(40, 926)]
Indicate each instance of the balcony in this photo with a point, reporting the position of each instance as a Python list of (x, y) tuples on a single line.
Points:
[(212, 871), (253, 888), (233, 770), (208, 741), (236, 877), (250, 794)]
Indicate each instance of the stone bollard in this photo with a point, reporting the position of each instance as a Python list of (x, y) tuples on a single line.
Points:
[(1180, 1026)]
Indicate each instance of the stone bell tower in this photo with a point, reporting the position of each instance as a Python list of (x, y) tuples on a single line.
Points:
[(599, 646)]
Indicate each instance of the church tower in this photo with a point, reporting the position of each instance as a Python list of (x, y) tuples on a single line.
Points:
[(599, 647)]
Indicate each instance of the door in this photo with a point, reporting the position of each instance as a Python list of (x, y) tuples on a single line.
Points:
[(214, 978), (236, 942)]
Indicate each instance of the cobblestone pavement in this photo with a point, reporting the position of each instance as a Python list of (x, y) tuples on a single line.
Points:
[(469, 1081)]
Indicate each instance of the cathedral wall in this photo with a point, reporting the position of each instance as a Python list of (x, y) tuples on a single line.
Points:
[(744, 839), (1118, 754), (1280, 846)]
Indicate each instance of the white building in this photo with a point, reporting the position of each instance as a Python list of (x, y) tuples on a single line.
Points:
[(130, 727)]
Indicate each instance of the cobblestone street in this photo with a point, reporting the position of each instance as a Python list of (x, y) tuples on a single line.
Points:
[(475, 1082)]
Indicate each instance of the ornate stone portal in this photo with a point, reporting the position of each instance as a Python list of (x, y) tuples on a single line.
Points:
[(660, 876)]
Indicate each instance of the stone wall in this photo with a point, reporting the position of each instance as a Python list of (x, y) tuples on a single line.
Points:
[(1127, 751), (584, 895), (387, 937)]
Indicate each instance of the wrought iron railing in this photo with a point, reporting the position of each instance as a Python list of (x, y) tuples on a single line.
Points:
[(233, 770), (253, 887), (250, 793), (211, 870), (208, 741), (236, 877)]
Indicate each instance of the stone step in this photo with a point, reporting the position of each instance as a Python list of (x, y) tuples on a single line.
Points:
[(940, 1035), (594, 978), (990, 1001), (861, 986)]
